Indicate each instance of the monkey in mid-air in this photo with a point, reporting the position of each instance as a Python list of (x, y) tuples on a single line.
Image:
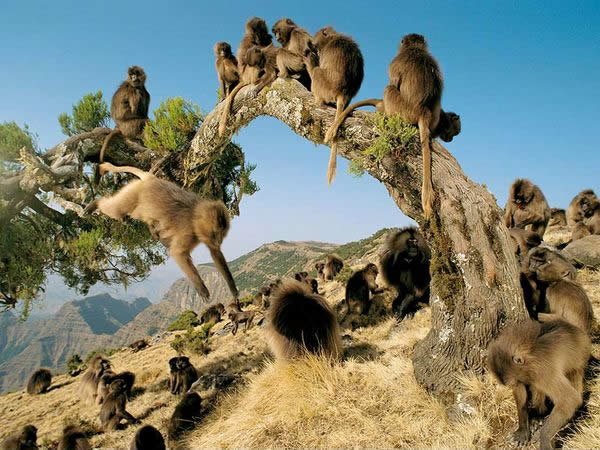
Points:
[(290, 57), (300, 321), (113, 408), (26, 439), (73, 439), (129, 108), (148, 438), (185, 416), (97, 367), (336, 68), (575, 213), (539, 360), (180, 219), (227, 68), (359, 286), (405, 266), (39, 381), (526, 207)]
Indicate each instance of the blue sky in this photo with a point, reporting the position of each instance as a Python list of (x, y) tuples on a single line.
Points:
[(524, 76)]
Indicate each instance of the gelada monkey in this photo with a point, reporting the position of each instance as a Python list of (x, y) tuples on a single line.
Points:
[(336, 68), (180, 219), (129, 108), (185, 416), (39, 381), (558, 218), (359, 286), (539, 360), (97, 367), (290, 58), (526, 207), (26, 439), (575, 212), (73, 439), (113, 408), (227, 68), (148, 438)]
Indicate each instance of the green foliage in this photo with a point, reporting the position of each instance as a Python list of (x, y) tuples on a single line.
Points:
[(344, 275), (394, 133), (359, 248), (89, 113), (193, 341), (174, 125), (246, 300), (188, 319), (12, 139), (106, 352), (74, 362)]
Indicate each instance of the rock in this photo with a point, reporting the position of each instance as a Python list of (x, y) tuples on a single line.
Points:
[(584, 252)]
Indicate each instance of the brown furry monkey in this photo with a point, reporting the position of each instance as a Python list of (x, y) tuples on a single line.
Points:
[(73, 439), (336, 68), (256, 33), (182, 220), (97, 366), (575, 212), (558, 218), (301, 276), (237, 317), (524, 241), (138, 345), (314, 285), (405, 266), (299, 322), (332, 267), (359, 286), (148, 438), (290, 58), (185, 416), (593, 221), (39, 381), (547, 360), (320, 268), (129, 107), (113, 408), (26, 439), (227, 68), (106, 380), (212, 313), (526, 207), (183, 374)]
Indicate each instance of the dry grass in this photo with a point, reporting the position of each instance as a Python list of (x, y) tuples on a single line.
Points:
[(370, 400)]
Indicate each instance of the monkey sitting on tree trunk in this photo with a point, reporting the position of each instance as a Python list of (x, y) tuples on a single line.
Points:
[(180, 219)]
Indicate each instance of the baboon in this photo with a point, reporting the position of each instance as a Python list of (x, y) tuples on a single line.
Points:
[(183, 220), (405, 266), (227, 68), (301, 276), (558, 218), (336, 68), (26, 439), (590, 209), (575, 212), (39, 381), (185, 416), (524, 240), (212, 313), (332, 267), (129, 107), (256, 34), (148, 438), (237, 317), (533, 289), (182, 376), (138, 345), (415, 93), (320, 267), (580, 230), (258, 71), (97, 366), (113, 407), (314, 285), (265, 294), (73, 439), (593, 221), (565, 299), (299, 321), (542, 360), (526, 207), (106, 380), (359, 286), (290, 58)]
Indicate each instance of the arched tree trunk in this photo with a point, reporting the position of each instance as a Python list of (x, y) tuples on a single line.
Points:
[(475, 288)]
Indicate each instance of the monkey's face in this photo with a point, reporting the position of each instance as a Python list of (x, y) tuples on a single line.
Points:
[(183, 363), (104, 365), (588, 206), (502, 365), (453, 128), (282, 30), (137, 76), (222, 50)]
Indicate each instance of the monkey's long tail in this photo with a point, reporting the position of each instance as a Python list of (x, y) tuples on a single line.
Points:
[(227, 108), (331, 167), (333, 129), (107, 139), (107, 167), (427, 188)]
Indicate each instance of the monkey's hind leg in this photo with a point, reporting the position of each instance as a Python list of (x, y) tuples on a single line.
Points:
[(122, 203)]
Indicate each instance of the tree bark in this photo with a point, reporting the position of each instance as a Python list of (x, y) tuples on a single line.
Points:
[(474, 288)]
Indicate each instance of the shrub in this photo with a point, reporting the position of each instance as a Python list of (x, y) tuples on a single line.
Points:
[(74, 362), (193, 341), (188, 319)]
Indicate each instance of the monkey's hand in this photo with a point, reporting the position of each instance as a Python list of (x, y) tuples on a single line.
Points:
[(521, 436)]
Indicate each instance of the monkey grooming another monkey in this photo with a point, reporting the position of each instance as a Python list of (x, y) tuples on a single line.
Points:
[(359, 286), (548, 359), (256, 33), (526, 207), (227, 68), (129, 108), (73, 439), (405, 266), (575, 212), (39, 381), (184, 220), (148, 438), (113, 408), (106, 380), (97, 366), (26, 439), (185, 416), (290, 58), (336, 68), (182, 376), (237, 317), (299, 322), (332, 267)]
